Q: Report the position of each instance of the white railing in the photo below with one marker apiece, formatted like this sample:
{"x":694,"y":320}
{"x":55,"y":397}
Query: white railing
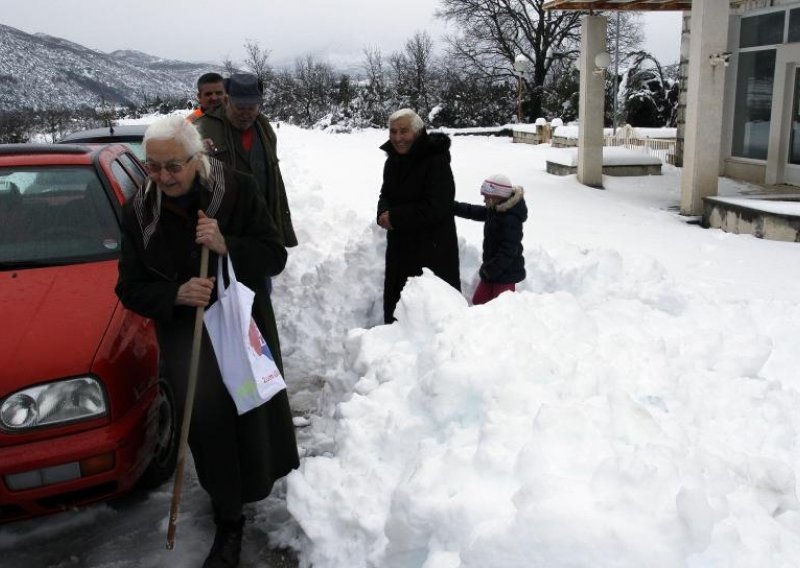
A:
{"x":662,"y":148}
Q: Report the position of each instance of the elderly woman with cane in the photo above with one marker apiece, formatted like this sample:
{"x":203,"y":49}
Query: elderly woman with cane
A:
{"x":189,"y":203}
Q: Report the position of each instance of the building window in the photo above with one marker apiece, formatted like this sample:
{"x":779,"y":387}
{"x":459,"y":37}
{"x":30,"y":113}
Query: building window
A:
{"x":756,"y":70}
{"x":766,"y":29}
{"x":794,"y":133}
{"x":794,"y":25}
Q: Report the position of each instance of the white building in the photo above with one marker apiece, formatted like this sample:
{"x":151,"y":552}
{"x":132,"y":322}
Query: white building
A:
{"x":742,"y":103}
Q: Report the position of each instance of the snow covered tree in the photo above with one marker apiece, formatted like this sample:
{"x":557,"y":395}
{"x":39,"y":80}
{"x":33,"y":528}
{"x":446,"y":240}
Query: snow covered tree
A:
{"x":344,"y":91}
{"x":470,"y":99}
{"x":280,"y":96}
{"x":314,"y":82}
{"x":561,"y":91}
{"x":650,"y":92}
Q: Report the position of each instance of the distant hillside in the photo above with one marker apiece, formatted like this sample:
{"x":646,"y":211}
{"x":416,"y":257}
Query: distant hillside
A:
{"x":40,"y":71}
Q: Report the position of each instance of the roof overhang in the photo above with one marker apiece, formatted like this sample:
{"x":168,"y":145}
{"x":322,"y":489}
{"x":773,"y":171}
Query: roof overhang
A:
{"x":598,"y":5}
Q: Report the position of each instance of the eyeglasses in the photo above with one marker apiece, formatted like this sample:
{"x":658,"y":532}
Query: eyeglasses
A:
{"x":172,"y":167}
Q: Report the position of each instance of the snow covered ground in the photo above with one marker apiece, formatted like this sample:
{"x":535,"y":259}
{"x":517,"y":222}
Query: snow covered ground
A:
{"x":633,"y":404}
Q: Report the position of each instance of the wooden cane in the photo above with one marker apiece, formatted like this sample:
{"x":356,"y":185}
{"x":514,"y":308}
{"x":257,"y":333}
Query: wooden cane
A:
{"x":194,"y":363}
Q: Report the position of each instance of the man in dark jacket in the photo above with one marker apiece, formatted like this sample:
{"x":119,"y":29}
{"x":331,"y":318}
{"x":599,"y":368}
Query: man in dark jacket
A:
{"x":416,"y":207}
{"x":191,"y":201}
{"x":239,"y":135}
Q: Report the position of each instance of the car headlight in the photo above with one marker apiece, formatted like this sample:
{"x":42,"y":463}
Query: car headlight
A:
{"x":54,"y":403}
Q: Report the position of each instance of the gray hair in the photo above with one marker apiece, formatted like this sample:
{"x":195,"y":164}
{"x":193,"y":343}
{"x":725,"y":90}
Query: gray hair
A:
{"x":176,"y":127}
{"x":416,"y":121}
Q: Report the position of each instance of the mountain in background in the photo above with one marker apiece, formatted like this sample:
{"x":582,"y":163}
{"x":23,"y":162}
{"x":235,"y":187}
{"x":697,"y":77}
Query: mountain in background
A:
{"x":43,"y":72}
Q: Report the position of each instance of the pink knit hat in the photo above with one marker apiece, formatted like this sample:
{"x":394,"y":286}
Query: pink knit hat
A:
{"x":497,"y":185}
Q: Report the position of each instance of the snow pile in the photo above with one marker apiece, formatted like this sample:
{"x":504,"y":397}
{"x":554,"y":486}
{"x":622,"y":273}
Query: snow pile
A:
{"x":627,"y":406}
{"x":557,"y":429}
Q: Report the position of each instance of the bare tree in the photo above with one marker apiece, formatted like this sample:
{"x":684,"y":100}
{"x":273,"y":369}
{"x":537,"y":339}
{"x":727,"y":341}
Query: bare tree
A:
{"x":373,"y":67}
{"x":419,"y":51}
{"x":413,"y":71}
{"x":631,"y":35}
{"x":257,"y":60}
{"x":229,"y":65}
{"x":16,"y":125}
{"x":398,"y":69}
{"x":494,"y":32}
{"x":623,"y":39}
{"x":56,"y":122}
{"x":376,"y":91}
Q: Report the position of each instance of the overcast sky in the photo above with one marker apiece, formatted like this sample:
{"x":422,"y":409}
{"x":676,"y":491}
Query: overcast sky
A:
{"x":192,"y":30}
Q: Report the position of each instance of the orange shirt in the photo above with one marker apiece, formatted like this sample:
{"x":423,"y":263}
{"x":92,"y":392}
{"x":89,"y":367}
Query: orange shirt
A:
{"x":195,"y":114}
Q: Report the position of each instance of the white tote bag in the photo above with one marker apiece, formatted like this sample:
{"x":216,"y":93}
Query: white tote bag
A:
{"x":248,"y":369}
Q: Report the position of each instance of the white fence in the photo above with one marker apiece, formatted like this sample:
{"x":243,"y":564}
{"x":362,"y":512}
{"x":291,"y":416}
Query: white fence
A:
{"x":663,"y":148}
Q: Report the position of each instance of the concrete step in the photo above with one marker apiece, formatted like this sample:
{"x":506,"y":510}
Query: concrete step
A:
{"x":771,"y":215}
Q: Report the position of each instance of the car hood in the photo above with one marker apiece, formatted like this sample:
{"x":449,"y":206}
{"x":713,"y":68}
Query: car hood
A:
{"x":53,"y":320}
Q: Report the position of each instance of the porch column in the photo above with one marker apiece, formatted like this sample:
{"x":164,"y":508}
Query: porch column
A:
{"x":591,"y":103}
{"x":706,"y":82}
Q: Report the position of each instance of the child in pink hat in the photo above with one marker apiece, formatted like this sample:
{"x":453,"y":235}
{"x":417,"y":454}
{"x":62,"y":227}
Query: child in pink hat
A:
{"x":503,"y":213}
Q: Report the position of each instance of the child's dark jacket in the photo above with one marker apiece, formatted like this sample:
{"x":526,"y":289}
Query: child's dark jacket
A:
{"x":503,"y":262}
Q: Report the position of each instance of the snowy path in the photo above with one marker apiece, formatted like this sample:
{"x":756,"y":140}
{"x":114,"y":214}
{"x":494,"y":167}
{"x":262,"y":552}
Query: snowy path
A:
{"x":637,"y":391}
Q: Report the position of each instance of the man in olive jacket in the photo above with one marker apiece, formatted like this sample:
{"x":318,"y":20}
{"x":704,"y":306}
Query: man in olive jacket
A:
{"x":240,"y":136}
{"x":191,"y":201}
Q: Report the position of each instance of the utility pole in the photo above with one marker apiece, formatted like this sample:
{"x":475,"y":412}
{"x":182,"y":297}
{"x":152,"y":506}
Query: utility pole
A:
{"x":616,"y":76}
{"x":521,"y":63}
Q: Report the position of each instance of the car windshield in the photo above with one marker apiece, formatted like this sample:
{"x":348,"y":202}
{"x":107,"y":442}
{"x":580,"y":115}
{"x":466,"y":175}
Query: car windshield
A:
{"x":136,"y":148}
{"x":55,"y":215}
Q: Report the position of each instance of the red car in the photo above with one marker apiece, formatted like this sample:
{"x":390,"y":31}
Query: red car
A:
{"x":85,"y":414}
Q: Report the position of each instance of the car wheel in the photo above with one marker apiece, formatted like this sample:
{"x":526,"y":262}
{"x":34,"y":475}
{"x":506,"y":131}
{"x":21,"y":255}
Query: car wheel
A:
{"x":165,"y":453}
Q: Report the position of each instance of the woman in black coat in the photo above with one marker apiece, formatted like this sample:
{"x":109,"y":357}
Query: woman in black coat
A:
{"x":416,"y":207}
{"x":192,"y":201}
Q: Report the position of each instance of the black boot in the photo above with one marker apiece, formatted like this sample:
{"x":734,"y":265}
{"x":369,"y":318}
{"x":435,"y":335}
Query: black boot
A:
{"x":227,"y":545}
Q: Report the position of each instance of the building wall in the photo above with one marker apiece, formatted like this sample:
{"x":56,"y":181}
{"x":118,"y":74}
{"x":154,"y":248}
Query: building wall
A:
{"x":746,"y":171}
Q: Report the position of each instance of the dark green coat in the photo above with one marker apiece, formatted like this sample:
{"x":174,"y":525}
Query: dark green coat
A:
{"x":237,"y":457}
{"x":215,"y":125}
